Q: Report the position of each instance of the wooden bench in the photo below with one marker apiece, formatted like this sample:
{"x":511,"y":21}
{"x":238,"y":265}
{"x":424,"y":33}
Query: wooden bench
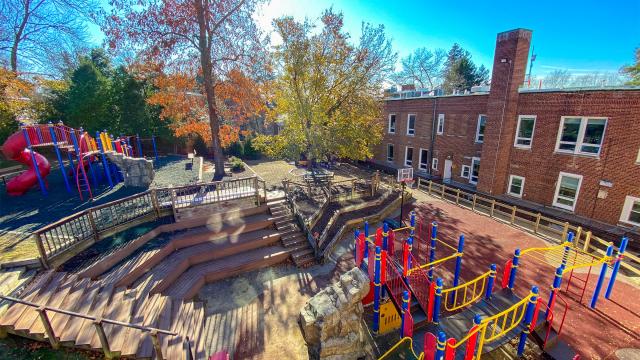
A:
{"x":321,"y":177}
{"x":10,"y":172}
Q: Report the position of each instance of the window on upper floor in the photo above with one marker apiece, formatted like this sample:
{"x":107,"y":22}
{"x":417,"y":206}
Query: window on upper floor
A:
{"x":466,"y":171}
{"x":440,"y":129}
{"x":390,"y":152}
{"x":411,"y":124}
{"x":516,"y":185}
{"x":424,"y":159}
{"x":524,"y":131}
{"x":581,"y":135}
{"x":408,"y":156}
{"x":638,"y":158}
{"x":482,"y":121}
{"x":392,"y":123}
{"x":567,"y":190}
{"x":631,"y":211}
{"x":434,"y":164}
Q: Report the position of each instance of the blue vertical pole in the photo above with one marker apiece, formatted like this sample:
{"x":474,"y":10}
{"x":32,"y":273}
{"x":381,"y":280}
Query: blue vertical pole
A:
{"x":456,"y":271}
{"x":356,"y":233}
{"x":441,"y":346}
{"x":616,"y":267}
{"x":139,"y":145}
{"x":405,"y":309}
{"x":376,"y":292}
{"x":567,"y":248}
{"x":557,"y":280}
{"x":432,"y":250}
{"x":43,"y":188}
{"x":105,"y":163}
{"x":528,"y":317}
{"x":155,"y":150}
{"x":603,"y":274}
{"x":59,"y":156}
{"x":366,"y":237}
{"x":514,"y":269}
{"x":412,"y":222}
{"x":490,"y":281}
{"x":385,"y":236}
{"x":437,"y":301}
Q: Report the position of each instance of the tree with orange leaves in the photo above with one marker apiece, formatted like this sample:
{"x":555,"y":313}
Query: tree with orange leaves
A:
{"x":209,"y":47}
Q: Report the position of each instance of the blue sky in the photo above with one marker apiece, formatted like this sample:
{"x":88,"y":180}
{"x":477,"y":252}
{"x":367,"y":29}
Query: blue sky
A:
{"x":580,"y":36}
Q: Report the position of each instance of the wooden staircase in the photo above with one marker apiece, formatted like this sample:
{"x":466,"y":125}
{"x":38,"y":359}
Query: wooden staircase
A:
{"x":59,"y":290}
{"x":294,"y":239}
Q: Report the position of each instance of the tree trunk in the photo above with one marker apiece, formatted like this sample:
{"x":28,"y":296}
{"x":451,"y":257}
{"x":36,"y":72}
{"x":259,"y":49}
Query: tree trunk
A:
{"x":18,"y":37}
{"x":207,"y":72}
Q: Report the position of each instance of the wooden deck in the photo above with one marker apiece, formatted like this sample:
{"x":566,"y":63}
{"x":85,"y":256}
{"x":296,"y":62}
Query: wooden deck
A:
{"x":155,"y":288}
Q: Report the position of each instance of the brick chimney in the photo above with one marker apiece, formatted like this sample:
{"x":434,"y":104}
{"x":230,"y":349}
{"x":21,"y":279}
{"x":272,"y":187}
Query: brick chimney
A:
{"x":509,"y":69}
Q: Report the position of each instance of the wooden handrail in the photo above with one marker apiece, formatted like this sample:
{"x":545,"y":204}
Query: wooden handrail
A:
{"x":88,"y":317}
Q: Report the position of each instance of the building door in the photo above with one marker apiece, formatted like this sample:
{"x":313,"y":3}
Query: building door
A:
{"x":448,"y":164}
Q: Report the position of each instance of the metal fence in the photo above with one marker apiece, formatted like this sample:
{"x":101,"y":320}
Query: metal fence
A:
{"x":533,"y":222}
{"x":104,"y":220}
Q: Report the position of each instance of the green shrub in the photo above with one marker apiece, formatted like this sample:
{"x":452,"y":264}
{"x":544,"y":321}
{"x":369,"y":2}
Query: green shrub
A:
{"x":236,"y":164}
{"x":250,"y":152}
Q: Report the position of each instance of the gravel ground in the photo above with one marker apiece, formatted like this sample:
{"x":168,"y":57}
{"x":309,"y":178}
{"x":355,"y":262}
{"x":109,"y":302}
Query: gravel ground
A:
{"x":273,"y":172}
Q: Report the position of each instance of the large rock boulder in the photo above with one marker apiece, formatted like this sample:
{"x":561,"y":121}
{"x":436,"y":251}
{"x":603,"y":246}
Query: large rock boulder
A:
{"x":332,"y":323}
{"x":137,"y":172}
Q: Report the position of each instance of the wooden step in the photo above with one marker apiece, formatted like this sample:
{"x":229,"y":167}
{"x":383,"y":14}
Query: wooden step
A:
{"x":175,"y":347}
{"x":117,"y":334}
{"x":55,"y":301}
{"x":110,"y":312}
{"x":190,"y":282}
{"x":87,"y":328}
{"x":71,"y":303}
{"x":163,"y":321}
{"x":147,"y":316}
{"x":30,"y":315}
{"x":31,"y":290}
{"x":74,"y":325}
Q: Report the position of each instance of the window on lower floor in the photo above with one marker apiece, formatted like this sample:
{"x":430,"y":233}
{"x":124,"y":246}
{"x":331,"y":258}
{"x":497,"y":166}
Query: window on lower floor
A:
{"x":581,"y":135}
{"x":390,"y":152}
{"x":408,"y":156}
{"x":516,"y":185}
{"x":424,"y":160}
{"x":475,"y":170}
{"x":434,"y":164}
{"x":567,"y":191}
{"x":631,"y":211}
{"x":466,"y":171}
{"x":524,"y":131}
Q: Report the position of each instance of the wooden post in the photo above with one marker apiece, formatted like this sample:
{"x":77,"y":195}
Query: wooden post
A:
{"x":156,"y":344}
{"x":353,"y":188}
{"x":104,"y":342}
{"x":457,"y":196}
{"x":187,"y":349}
{"x":43,"y":254}
{"x":154,"y":202}
{"x":255,"y":185}
{"x":587,"y":240}
{"x":538,"y":217}
{"x":493,"y":206}
{"x":429,"y":190}
{"x":442,"y":191}
{"x":513,"y":214}
{"x":3,"y":332}
{"x":565,"y":231}
{"x":473,"y":206}
{"x":92,"y":222}
{"x":48,"y":330}
{"x":174,"y":205}
{"x":577,"y":238}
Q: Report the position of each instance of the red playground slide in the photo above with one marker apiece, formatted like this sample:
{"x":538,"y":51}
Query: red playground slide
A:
{"x":15,"y":149}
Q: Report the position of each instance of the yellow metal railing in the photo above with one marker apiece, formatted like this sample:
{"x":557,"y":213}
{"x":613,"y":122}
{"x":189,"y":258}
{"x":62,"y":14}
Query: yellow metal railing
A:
{"x":471,"y":291}
{"x":400,"y":348}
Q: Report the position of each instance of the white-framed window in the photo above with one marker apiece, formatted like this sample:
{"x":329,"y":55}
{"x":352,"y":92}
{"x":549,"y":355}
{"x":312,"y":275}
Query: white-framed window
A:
{"x":475,"y":170}
{"x":392,"y":123}
{"x":631,"y":211}
{"x":424,"y":159}
{"x":390,"y":150}
{"x":482,"y":122}
{"x":524,"y":131}
{"x":466,"y":171}
{"x":516,"y":185}
{"x":638,"y":158}
{"x":581,"y":135}
{"x":440,"y":129}
{"x":408,"y":156}
{"x":567,"y":191}
{"x":434,"y":164}
{"x":411,"y":124}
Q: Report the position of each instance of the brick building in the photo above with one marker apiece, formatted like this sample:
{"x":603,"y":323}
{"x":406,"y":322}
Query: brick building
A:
{"x":572,"y":150}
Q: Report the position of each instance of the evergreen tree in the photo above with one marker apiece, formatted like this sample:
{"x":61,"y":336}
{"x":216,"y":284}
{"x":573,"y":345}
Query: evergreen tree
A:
{"x":460,"y":73}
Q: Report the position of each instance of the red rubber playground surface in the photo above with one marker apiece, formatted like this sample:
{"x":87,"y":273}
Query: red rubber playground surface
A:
{"x":593,"y":333}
